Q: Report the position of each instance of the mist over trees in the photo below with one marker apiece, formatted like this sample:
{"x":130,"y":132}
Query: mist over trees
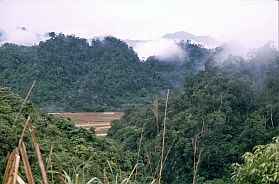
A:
{"x":105,"y":75}
{"x":218,"y":107}
{"x":73,"y":76}
{"x":224,"y":111}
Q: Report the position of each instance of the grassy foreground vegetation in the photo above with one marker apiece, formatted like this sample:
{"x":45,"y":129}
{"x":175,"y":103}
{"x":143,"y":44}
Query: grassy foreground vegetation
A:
{"x":77,"y":151}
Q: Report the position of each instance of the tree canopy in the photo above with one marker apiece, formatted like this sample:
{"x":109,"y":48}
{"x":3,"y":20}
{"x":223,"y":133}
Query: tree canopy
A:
{"x":217,"y":110}
{"x":223,"y":112}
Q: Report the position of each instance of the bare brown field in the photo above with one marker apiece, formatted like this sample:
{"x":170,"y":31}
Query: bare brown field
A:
{"x":100,"y":121}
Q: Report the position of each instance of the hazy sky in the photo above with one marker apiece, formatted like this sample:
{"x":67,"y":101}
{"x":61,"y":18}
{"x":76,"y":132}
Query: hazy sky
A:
{"x":252,"y":22}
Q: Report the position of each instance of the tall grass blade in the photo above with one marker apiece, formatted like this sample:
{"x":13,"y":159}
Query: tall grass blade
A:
{"x":116,"y":181}
{"x":60,"y":175}
{"x":23,"y":131}
{"x":153,"y":181}
{"x":131,"y":173}
{"x":94,"y":180}
{"x":68,"y":178}
{"x":17,"y":159}
{"x":9,"y":166}
{"x":24,"y":102}
{"x":105,"y":177}
{"x":39,"y":157}
{"x":26,"y":164}
{"x":19,"y":180}
{"x":110,"y":168}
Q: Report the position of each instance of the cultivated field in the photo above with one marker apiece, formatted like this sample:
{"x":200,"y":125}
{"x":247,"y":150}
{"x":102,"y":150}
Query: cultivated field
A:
{"x":100,"y":121}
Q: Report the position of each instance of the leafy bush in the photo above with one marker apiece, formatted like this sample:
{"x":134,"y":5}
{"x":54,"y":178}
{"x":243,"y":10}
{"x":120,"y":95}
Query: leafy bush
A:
{"x":261,"y":166}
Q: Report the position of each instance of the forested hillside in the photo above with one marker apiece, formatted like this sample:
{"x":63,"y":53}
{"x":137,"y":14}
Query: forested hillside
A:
{"x":107,"y":75}
{"x":76,"y":151}
{"x":73,"y":76}
{"x":224,"y":111}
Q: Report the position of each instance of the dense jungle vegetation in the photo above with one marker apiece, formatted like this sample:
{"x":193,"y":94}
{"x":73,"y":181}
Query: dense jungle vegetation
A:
{"x":224,"y":111}
{"x":71,"y":75}
{"x":77,"y":151}
{"x":216,"y":111}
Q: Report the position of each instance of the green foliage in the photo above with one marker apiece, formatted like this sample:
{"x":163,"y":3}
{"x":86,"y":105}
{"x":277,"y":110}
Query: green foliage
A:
{"x":261,"y":166}
{"x":222,"y":111}
{"x":222,"y":107}
{"x":71,"y":146}
{"x":107,"y":75}
{"x":71,"y":75}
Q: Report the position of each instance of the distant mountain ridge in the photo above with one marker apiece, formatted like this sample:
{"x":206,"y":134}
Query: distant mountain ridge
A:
{"x":167,"y":46}
{"x":182,"y":35}
{"x":207,"y":41}
{"x":24,"y":36}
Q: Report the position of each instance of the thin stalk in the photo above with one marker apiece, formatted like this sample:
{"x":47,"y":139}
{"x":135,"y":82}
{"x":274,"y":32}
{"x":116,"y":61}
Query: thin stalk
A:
{"x":17,"y":159}
{"x":9,"y":167}
{"x":26,"y":164}
{"x":163,"y":141}
{"x":19,"y":111}
{"x":138,"y":154}
{"x":23,"y":131}
{"x":24,"y":102}
{"x":194,"y":143}
{"x":49,"y":164}
{"x":167,"y":154}
{"x":131,"y":173}
{"x":39,"y":157}
{"x":155,"y":110}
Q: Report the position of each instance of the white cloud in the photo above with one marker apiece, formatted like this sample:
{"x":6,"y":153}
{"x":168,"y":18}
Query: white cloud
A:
{"x":163,"y":49}
{"x":22,"y":37}
{"x":250,"y":22}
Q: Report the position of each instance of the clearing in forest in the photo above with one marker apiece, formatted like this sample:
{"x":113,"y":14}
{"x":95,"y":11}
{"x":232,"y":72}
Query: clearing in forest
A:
{"x":100,"y":121}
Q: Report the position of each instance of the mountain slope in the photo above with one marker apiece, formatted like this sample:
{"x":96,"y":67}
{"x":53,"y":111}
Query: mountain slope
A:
{"x":74,"y":76}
